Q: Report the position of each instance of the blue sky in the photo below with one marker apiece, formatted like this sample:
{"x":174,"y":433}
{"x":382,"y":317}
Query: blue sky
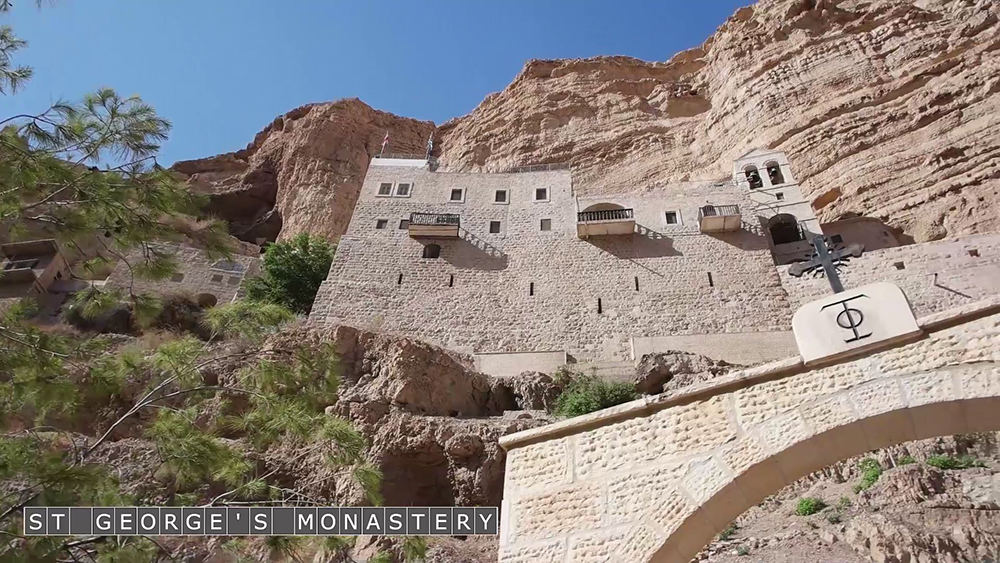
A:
{"x":221,"y":70}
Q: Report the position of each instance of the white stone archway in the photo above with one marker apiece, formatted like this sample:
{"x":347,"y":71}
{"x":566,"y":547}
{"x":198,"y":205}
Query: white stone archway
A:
{"x":655,"y":480}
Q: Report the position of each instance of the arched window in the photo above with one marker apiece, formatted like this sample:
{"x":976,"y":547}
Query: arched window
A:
{"x":784,"y":228}
{"x":774,"y":173}
{"x":432,"y":251}
{"x":753,"y":176}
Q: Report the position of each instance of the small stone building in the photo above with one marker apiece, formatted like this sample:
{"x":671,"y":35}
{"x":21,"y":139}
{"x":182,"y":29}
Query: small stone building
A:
{"x":209,"y":280}
{"x":31,"y":268}
{"x":524,"y":273}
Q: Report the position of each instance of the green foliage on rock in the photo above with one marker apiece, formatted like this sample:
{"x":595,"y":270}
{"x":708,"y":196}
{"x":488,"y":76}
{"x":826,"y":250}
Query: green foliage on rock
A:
{"x":871,"y":470}
{"x":905,"y":460}
{"x":584,"y":394}
{"x":293,"y":272}
{"x":809,"y":505}
{"x":947,"y":462}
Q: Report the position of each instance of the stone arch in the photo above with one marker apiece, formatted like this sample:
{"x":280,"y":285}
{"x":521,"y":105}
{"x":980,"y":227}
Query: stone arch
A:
{"x":793,"y":444}
{"x":784,"y":228}
{"x":774,"y":173}
{"x":753,"y":176}
{"x":655,"y":480}
{"x":206,"y":300}
{"x":603,"y":207}
{"x":432,"y":251}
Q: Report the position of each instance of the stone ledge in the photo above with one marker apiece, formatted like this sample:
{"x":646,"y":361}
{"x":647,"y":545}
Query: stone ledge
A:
{"x":740,"y":379}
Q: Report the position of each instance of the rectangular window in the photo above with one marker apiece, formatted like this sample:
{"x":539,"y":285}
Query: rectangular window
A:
{"x":546,"y":224}
{"x":672,"y":218}
{"x":780,"y":196}
{"x":385,"y":189}
{"x":404,"y":223}
{"x":457,"y":195}
{"x":217,"y":278}
{"x":233,"y":280}
{"x":381,"y":223}
{"x":494,"y":227}
{"x":541,"y":194}
{"x":500,"y":196}
{"x":403,"y":190}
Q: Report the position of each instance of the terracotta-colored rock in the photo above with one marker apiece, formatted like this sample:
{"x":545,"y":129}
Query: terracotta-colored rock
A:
{"x":891,"y":103}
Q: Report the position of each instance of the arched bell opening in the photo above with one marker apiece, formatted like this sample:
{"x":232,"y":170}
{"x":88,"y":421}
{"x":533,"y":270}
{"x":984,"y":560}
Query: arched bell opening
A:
{"x":753,"y":177}
{"x":774,"y":173}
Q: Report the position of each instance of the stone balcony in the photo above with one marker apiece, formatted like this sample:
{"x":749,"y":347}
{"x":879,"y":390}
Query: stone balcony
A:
{"x":434,"y":225}
{"x":719,"y":218}
{"x":605,"y":222}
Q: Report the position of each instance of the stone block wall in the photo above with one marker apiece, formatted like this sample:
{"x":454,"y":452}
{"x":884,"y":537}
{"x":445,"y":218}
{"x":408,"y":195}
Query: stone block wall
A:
{"x":745,"y":348}
{"x":524,"y":289}
{"x":655,"y":480}
{"x":967,"y":270}
{"x":195,"y":275}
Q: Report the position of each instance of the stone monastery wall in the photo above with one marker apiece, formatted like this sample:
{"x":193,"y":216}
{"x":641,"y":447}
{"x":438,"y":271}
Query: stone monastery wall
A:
{"x":535,"y":286}
{"x":935,"y":276}
{"x":525,"y":289}
{"x":197,"y":275}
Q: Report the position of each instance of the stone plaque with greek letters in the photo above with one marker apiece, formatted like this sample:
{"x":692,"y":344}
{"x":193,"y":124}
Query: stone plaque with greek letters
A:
{"x":853,"y":321}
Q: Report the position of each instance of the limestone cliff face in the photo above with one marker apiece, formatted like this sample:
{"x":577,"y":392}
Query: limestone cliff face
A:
{"x":303,"y":172}
{"x":887,"y":108}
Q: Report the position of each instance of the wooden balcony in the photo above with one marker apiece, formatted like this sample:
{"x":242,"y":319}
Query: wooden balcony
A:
{"x":434,"y":225}
{"x":719,"y":218}
{"x":607,"y":222}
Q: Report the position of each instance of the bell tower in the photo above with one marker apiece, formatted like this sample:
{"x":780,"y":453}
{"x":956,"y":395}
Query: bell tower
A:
{"x":786,"y":218}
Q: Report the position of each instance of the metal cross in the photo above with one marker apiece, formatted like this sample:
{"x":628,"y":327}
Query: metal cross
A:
{"x":826,"y":260}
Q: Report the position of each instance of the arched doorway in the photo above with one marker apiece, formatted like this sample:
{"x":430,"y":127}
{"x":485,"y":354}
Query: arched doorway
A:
{"x":206,"y":300}
{"x":784,"y":228}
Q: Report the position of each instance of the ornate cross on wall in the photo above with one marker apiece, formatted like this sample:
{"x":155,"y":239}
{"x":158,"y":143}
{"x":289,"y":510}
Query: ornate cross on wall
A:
{"x":826,"y":260}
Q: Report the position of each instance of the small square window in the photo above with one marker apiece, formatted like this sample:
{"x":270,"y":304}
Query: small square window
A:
{"x":671,"y":217}
{"x":457,"y":194}
{"x":403,"y":190}
{"x":541,"y":194}
{"x":500,"y":196}
{"x":177,"y":278}
{"x":974,"y":252}
{"x":837,"y":239}
{"x":404,"y":223}
{"x":780,"y":196}
{"x":234,"y":280}
{"x":899,"y":265}
{"x":217,"y":278}
{"x":385,"y":188}
{"x":494,"y":227}
{"x":546,"y":224}
{"x":381,"y":223}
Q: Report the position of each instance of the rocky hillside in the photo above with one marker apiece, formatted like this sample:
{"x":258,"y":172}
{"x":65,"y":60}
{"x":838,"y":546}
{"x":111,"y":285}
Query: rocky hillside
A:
{"x":888,"y":108}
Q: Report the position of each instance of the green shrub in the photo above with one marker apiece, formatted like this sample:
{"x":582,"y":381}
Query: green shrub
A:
{"x":588,"y":393}
{"x":871,"y":470}
{"x":905,"y":460}
{"x":843,"y":503}
{"x":809,"y":505}
{"x":742,"y":550}
{"x":729,"y":531}
{"x":833,"y":518}
{"x":949,"y":462}
{"x":292,"y":273}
